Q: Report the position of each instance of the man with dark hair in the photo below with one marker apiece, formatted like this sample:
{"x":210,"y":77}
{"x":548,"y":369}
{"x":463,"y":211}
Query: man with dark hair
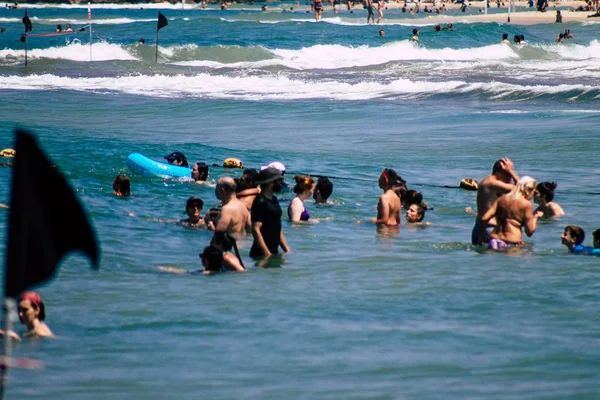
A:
{"x":212,"y":259}
{"x":323,"y":190}
{"x":501,"y":181}
{"x":234,"y":216}
{"x":177,"y":158}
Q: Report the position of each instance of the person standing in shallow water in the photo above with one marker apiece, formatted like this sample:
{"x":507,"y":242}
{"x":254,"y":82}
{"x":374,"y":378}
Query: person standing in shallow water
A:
{"x":388,"y":207}
{"x":499,"y":182}
{"x":266,"y":216}
{"x":32,"y":313}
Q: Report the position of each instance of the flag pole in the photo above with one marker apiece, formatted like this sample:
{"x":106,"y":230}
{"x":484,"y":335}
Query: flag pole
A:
{"x":156,"y":50}
{"x":7,"y":325}
{"x":90,"y":23}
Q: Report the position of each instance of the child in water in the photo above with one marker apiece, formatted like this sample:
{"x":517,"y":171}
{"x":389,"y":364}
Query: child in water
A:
{"x":573,"y":237}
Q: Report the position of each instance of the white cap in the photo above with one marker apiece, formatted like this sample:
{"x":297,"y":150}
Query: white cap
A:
{"x":277,"y":165}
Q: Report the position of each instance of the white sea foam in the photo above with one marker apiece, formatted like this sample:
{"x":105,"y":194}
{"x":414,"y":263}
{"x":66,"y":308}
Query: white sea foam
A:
{"x":101,"y":51}
{"x":280,"y":87}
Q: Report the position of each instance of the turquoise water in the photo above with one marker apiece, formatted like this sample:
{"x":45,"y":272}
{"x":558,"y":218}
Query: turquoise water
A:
{"x":354,"y":312}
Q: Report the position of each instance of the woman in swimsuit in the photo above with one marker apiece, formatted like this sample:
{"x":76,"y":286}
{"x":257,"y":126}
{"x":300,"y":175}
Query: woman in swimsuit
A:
{"x":543,"y":196}
{"x":513,"y":212}
{"x":31,"y":314}
{"x":318,"y":7}
{"x":303,"y":189}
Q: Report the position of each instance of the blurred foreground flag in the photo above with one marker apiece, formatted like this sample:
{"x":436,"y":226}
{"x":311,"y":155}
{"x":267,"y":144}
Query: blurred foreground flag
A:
{"x":46,"y":220}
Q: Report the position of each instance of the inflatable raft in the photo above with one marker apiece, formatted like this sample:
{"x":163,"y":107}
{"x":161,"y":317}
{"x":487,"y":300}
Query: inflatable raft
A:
{"x":142,"y":165}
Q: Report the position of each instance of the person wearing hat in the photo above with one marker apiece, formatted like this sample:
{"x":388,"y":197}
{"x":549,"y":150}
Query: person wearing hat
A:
{"x":193,"y":209}
{"x":266,"y":215}
{"x":177,"y":158}
{"x":275,"y":164}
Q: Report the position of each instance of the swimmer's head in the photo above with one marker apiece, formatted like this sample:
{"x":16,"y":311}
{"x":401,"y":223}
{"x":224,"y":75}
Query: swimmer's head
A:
{"x":225,"y":187}
{"x":193,"y":207}
{"x":122,"y":186}
{"x":517,"y":39}
{"x":323,"y":190}
{"x":212,"y":259}
{"x":596,"y":235}
{"x":30,"y":306}
{"x":499,"y":170}
{"x":200,"y":172}
{"x":415,"y":31}
{"x":573,"y":235}
{"x":525,"y":187}
{"x":388,"y":178}
{"x":177,"y":158}
{"x":303,"y":184}
{"x":505,"y":36}
{"x":437,"y":28}
{"x":247,"y":180}
{"x":545,"y":191}
{"x":416,"y":212}
{"x":381,"y":33}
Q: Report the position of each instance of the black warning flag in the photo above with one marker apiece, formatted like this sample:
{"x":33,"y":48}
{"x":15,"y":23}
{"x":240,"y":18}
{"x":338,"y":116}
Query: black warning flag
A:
{"x":46,"y":220}
{"x":27,"y":23}
{"x":162,"y":21}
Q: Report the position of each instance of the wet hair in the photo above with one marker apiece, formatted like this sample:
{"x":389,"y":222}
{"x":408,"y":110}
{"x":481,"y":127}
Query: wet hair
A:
{"x":411,"y":197}
{"x":522,"y":37}
{"x":437,"y":28}
{"x":325,"y":187}
{"x":497,"y":166}
{"x":576,"y":232}
{"x":517,"y":39}
{"x":59,"y":28}
{"x":504,"y":36}
{"x":421,"y":208}
{"x":194,"y":201}
{"x":546,"y":190}
{"x":202,"y":171}
{"x":212,"y":214}
{"x":415,"y":31}
{"x":213,"y":257}
{"x":247,"y":181}
{"x":122,"y":185}
{"x":303,"y":183}
{"x":525,"y":185}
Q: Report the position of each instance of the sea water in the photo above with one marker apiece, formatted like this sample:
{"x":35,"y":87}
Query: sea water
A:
{"x":353,"y":311}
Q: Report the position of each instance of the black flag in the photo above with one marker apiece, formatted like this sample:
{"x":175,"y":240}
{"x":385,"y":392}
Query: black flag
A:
{"x":27,"y":23}
{"x":46,"y":220}
{"x":162,"y":21}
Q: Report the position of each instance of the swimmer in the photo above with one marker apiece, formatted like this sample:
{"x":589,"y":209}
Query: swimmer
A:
{"x":437,"y":28}
{"x":388,"y":206}
{"x":416,"y":213}
{"x":265,"y":7}
{"x":200,"y":172}
{"x":32,"y":313}
{"x":193,"y":209}
{"x":177,"y":158}
{"x":596,"y":235}
{"x":122,"y":186}
{"x":59,"y":28}
{"x":68,"y":28}
{"x":544,"y":194}
{"x":499,"y":182}
{"x":560,"y":38}
{"x":415,"y":37}
{"x":234,"y":218}
{"x":212,"y":260}
{"x":304,"y":188}
{"x":142,"y":41}
{"x":211,"y":217}
{"x":323,"y":190}
{"x":558,"y":17}
{"x":568,"y":34}
{"x":505,"y":39}
{"x":381,"y":33}
{"x":513,"y":212}
{"x":573,"y":237}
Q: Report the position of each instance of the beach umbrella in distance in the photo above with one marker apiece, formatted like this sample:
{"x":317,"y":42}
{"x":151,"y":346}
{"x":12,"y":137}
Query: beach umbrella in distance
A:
{"x":162,"y":22}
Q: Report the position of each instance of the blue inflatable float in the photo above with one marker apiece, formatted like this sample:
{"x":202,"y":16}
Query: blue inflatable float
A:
{"x":142,"y":165}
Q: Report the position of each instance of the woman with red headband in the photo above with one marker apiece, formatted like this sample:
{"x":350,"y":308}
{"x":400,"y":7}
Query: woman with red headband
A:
{"x":31,"y":314}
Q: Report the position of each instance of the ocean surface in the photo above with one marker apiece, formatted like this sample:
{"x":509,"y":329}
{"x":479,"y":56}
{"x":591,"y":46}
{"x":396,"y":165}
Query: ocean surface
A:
{"x":353,"y":312}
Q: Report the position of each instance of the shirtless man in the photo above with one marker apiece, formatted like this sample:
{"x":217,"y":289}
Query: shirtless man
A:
{"x":513,"y":212}
{"x":234,"y":216}
{"x":490,"y":189}
{"x":388,"y":207}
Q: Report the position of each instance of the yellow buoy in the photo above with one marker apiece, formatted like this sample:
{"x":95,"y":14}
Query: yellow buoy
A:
{"x":233,"y":163}
{"x":469,"y":184}
{"x":8,"y":153}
